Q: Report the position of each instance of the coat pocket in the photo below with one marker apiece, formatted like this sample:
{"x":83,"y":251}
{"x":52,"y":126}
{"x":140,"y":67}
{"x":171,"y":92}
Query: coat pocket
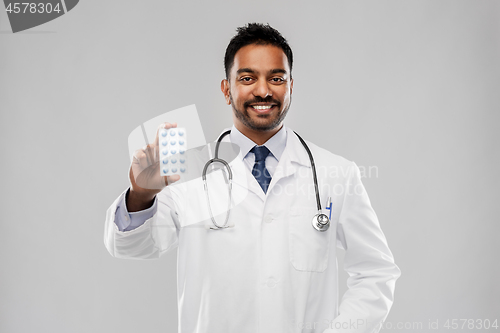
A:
{"x":309,"y":248}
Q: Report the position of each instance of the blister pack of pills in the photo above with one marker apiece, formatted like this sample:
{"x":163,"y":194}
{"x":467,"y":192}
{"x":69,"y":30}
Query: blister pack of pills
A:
{"x":173,"y":146}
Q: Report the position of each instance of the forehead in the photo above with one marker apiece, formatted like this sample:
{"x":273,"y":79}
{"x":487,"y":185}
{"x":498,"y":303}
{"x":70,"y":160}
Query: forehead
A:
{"x":260,"y":58}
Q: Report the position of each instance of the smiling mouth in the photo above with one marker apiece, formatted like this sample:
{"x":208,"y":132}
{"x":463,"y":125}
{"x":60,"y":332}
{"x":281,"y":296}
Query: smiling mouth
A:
{"x":262,"y":108}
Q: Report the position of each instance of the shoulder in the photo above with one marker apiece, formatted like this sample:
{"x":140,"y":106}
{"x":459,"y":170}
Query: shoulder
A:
{"x":322,"y":156}
{"x":327,"y":156}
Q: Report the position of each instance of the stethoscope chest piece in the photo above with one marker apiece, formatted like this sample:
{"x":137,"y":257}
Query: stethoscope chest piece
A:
{"x":321,"y":222}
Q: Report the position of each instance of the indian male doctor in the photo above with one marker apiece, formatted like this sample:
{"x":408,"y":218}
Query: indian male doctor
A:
{"x":271,"y":271}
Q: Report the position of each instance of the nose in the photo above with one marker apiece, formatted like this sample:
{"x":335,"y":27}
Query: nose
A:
{"x":262,"y":89}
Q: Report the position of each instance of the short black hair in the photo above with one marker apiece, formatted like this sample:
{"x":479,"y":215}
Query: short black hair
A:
{"x":255,"y":33}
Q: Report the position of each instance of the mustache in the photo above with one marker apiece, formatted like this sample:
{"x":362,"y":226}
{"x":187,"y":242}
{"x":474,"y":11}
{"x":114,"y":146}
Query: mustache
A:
{"x":257,"y":99}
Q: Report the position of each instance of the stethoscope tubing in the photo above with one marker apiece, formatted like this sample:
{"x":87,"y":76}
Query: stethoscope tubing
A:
{"x":313,"y":167}
{"x":321,"y":224}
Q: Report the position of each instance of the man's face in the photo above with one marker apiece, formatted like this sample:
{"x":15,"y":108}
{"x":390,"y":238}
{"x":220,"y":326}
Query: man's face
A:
{"x":259,"y":88}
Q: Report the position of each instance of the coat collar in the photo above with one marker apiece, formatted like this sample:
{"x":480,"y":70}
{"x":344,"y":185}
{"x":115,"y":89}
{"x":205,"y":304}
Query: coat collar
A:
{"x":294,"y":155}
{"x":295,"y":150}
{"x":276,"y":144}
{"x":293,"y":147}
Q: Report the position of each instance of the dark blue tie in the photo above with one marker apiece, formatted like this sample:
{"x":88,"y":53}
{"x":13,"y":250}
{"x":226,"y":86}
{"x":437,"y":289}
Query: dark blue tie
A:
{"x":259,"y":170}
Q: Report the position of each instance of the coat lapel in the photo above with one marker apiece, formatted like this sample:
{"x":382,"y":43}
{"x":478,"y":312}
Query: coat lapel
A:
{"x":243,"y":177}
{"x":294,"y":155}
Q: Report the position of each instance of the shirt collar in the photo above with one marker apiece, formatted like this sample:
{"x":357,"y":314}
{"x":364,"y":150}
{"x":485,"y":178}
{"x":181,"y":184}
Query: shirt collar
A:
{"x":276,"y":144}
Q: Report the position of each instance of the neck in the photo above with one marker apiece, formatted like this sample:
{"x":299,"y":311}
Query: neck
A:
{"x":259,"y":137}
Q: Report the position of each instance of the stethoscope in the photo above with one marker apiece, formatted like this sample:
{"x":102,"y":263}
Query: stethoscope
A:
{"x":320,"y":221}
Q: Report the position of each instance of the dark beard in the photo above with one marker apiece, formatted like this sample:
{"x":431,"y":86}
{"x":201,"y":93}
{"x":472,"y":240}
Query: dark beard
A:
{"x":244,"y":117}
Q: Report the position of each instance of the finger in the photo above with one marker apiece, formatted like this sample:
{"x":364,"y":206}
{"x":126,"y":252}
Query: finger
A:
{"x":171,"y":179}
{"x":138,"y":156}
{"x":149,"y":152}
{"x":135,"y":171}
{"x":141,"y":158}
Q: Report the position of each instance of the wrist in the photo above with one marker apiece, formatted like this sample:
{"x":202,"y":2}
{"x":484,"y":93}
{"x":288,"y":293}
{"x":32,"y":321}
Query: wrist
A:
{"x":139,"y":200}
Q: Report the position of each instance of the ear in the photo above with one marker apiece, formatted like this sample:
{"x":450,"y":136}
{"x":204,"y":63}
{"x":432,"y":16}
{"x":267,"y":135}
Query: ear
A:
{"x":224,"y":87}
{"x":291,"y":86}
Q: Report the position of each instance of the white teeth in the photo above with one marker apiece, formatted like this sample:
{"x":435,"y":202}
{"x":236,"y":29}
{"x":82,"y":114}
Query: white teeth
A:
{"x":262,"y":107}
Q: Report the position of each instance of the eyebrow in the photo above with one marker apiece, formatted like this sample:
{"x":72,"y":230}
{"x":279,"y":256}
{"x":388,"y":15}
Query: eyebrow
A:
{"x":249,"y":70}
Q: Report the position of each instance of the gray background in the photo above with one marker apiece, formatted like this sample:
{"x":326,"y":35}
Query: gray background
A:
{"x":411,"y":87}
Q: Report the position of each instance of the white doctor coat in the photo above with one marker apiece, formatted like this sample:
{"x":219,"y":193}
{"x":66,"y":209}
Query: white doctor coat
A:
{"x":271,"y":272}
